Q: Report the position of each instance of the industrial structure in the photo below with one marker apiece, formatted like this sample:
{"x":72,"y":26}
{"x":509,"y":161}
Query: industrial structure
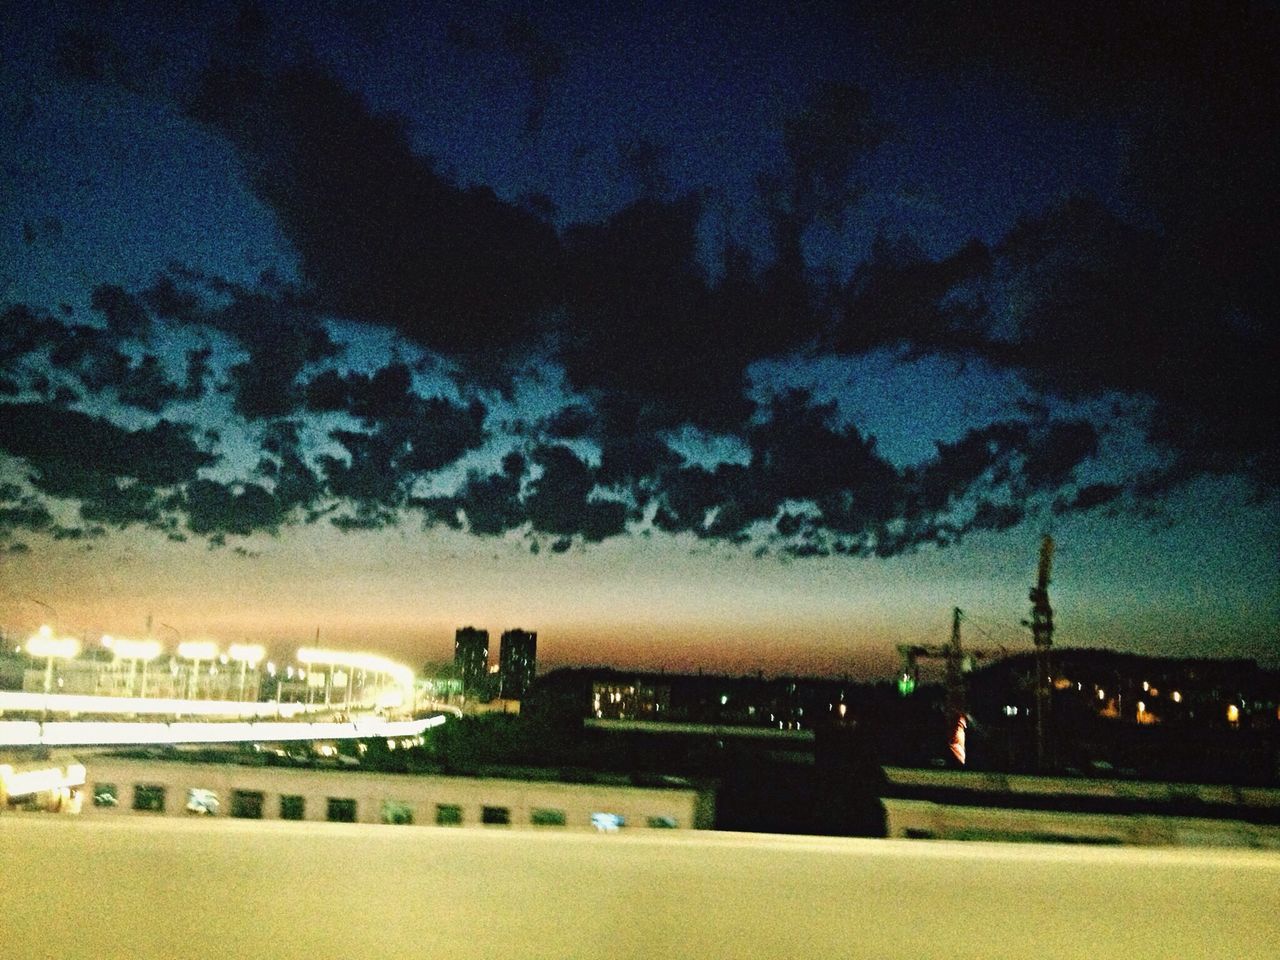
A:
{"x":1041,"y":624}
{"x":959,"y":662}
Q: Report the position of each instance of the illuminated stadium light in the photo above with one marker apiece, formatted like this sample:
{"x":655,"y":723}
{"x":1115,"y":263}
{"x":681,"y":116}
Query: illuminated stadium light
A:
{"x":133,"y":649}
{"x":45,"y":644}
{"x":198,"y":650}
{"x":250,"y":653}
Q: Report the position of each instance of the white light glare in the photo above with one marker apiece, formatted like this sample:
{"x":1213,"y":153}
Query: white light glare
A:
{"x":46,"y":645}
{"x":250,"y":653}
{"x":369,"y":662}
{"x":134,"y":649}
{"x":198,"y":650}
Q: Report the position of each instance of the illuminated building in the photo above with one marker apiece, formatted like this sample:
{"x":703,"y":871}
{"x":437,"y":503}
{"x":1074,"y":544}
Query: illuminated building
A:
{"x":517,"y":663}
{"x":630,"y":701}
{"x":471,"y":658}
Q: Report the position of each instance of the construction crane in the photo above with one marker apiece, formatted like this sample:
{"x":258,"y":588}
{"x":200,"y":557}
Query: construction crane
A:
{"x":1041,"y":624}
{"x":958,"y":662}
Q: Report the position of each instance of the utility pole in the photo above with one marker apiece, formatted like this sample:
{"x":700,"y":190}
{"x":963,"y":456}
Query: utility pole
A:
{"x":1041,"y":624}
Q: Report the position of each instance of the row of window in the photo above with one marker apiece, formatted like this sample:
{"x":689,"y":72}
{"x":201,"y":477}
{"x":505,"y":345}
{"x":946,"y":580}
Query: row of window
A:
{"x":251,"y":805}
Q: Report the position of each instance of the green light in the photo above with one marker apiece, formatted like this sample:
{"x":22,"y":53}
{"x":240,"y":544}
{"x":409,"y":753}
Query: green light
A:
{"x":906,"y":685}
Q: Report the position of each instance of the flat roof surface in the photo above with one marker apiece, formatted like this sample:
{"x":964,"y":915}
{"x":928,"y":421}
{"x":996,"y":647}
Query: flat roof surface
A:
{"x":143,"y":888}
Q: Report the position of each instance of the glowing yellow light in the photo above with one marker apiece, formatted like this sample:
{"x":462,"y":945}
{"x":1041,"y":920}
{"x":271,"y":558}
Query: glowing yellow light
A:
{"x":1177,"y":697}
{"x":198,"y":650}
{"x":46,"y":645}
{"x":1233,"y":713}
{"x":1142,"y":707}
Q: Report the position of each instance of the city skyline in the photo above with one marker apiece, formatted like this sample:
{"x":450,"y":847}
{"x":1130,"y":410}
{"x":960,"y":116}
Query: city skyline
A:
{"x":730,"y":338}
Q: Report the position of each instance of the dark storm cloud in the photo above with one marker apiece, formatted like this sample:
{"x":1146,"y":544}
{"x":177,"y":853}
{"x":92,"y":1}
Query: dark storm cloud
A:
{"x":542,"y":60}
{"x":24,"y":513}
{"x":489,"y":503}
{"x":90,"y":355}
{"x":486,"y":33}
{"x":62,"y":444}
{"x":282,"y":334}
{"x":409,"y":435}
{"x":126,"y":318}
{"x":381,"y":236}
{"x":294,"y":483}
{"x":239,"y":509}
{"x":118,"y":476}
{"x":1183,"y":308}
{"x":823,"y":489}
{"x":560,"y":501}
{"x":1167,"y":297}
{"x":899,"y":295}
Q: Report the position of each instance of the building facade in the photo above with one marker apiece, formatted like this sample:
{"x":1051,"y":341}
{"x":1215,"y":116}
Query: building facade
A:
{"x":471,"y":659}
{"x":517,"y":663}
{"x":117,"y":786}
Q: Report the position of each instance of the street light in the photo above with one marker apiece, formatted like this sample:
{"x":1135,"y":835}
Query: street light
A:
{"x":195,"y":651}
{"x":246,"y":654}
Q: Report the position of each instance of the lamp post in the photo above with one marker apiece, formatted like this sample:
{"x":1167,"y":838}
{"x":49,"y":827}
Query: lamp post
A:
{"x":195,"y":651}
{"x":246,"y":654}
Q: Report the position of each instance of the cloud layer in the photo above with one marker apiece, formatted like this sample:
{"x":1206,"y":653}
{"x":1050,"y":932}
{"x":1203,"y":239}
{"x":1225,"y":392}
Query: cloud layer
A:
{"x":124,"y":418}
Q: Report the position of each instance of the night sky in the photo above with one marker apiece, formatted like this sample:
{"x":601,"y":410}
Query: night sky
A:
{"x":688,"y":335}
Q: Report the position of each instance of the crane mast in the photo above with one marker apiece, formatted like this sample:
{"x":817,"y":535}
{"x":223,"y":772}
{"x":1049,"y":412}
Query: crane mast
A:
{"x":958,"y":662}
{"x":1041,"y":624}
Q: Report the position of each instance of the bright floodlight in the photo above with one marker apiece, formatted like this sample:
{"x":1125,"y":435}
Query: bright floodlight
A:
{"x":198,"y":650}
{"x":250,"y":653}
{"x":135,"y":649}
{"x":46,"y":645}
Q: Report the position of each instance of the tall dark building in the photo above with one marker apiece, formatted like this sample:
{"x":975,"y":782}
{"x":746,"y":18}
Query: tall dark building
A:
{"x":517,"y":663}
{"x":471,"y":658}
